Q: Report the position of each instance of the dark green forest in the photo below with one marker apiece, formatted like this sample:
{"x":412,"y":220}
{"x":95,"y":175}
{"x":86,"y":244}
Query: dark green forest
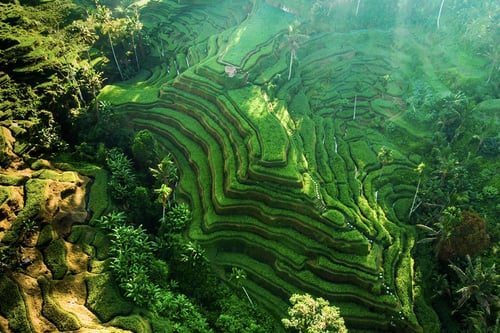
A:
{"x":249,"y":166}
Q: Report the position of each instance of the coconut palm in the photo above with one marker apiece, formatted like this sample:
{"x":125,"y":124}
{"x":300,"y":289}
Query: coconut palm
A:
{"x":134,"y":25}
{"x":166,"y":171}
{"x":239,"y":275}
{"x":86,"y":32}
{"x":194,"y":253}
{"x":293,"y":40}
{"x":439,"y":14}
{"x":93,"y":80}
{"x":385,"y":156}
{"x":163,"y":195}
{"x":441,"y":230}
{"x":110,"y":26}
{"x":493,"y":56}
{"x":111,"y":220}
{"x":357,"y":7}
{"x":420,"y":169}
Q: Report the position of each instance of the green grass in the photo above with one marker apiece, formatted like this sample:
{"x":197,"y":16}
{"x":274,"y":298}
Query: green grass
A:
{"x":272,"y":138}
{"x":138,"y":92}
{"x":250,"y":34}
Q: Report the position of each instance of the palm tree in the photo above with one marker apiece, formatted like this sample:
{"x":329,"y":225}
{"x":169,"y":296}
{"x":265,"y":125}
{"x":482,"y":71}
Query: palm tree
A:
{"x":239,"y":275}
{"x":439,"y":14}
{"x":134,"y":25}
{"x":111,"y":220}
{"x":385,"y":157}
{"x":357,"y":7}
{"x":60,"y":43}
{"x":476,"y":283}
{"x":420,"y":169}
{"x":94,"y":81}
{"x":163,"y":195}
{"x":87,"y":33}
{"x":166,"y":171}
{"x":194,"y":253}
{"x":442,"y":229}
{"x":110,"y":26}
{"x":493,"y":55}
{"x":293,"y":39}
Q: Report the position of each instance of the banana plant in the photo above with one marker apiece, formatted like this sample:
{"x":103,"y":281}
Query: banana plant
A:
{"x":478,"y":284}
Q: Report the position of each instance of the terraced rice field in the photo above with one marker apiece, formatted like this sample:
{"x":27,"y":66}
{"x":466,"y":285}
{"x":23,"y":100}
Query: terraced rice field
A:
{"x":283,"y":176}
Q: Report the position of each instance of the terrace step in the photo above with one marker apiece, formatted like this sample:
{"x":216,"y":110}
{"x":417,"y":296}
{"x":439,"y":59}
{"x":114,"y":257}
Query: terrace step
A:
{"x":282,"y":175}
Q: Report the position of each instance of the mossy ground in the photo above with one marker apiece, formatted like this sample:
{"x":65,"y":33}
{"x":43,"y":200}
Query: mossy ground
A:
{"x":104,"y":297}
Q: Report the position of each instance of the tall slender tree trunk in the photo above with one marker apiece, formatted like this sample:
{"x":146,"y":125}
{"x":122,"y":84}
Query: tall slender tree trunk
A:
{"x":114,"y":56}
{"x":412,"y":208}
{"x":72,"y":79}
{"x":438,"y":21}
{"x":292,"y":54}
{"x":248,"y":296}
{"x":141,"y":44}
{"x":135,"y":52}
{"x":94,"y":93}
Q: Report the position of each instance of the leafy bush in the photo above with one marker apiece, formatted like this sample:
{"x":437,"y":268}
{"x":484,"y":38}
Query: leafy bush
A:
{"x":313,"y":315}
{"x":467,"y":235}
{"x":489,"y":192}
{"x":123,"y":181}
{"x":490,"y":147}
{"x":145,"y":149}
{"x":237,"y":316}
{"x":177,"y":219}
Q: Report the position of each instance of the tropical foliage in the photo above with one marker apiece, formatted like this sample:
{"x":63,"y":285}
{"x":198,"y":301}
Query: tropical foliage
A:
{"x":253,"y":173}
{"x":313,"y":315}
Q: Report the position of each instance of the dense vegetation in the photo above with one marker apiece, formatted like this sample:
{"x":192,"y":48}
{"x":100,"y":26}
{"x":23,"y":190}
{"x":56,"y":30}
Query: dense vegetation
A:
{"x":237,"y":166}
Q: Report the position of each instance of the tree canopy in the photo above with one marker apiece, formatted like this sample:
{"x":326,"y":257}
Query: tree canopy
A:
{"x":313,"y":315}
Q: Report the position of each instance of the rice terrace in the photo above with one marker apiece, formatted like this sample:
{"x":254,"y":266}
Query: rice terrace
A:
{"x":231,"y":154}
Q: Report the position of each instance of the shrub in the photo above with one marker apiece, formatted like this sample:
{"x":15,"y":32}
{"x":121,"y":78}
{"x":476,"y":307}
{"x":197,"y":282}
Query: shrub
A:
{"x":177,"y":219}
{"x":489,"y":192}
{"x":123,"y":181}
{"x":490,"y":147}
{"x":467,"y":237}
{"x":313,"y":315}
